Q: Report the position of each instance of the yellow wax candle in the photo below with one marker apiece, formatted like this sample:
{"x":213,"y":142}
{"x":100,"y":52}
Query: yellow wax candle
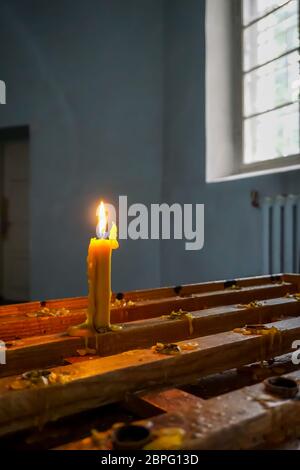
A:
{"x":99,"y":272}
{"x":99,"y":278}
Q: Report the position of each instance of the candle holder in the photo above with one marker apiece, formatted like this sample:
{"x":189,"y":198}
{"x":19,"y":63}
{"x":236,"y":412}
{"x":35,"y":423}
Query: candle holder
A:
{"x":157,"y":369}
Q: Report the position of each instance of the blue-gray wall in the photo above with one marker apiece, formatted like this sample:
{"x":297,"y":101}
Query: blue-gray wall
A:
{"x":113,"y":92}
{"x":87,"y":78}
{"x":233,"y":232}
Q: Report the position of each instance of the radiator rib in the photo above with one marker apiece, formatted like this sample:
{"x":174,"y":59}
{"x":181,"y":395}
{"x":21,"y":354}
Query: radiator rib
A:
{"x":281,"y":232}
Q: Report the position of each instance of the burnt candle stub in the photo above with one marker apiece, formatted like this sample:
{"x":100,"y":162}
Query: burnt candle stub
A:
{"x":177,"y":289}
{"x":229,"y":284}
{"x":276,"y":278}
{"x":131,"y":436}
{"x":282,"y":387}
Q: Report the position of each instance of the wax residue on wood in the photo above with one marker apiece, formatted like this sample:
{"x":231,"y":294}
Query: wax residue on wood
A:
{"x":86,"y":351}
{"x":173,"y":348}
{"x":257,"y":330}
{"x":100,"y":439}
{"x":49,"y":312}
{"x":233,"y":287}
{"x":178,"y":315}
{"x":253,"y":304}
{"x":39,"y":378}
{"x":264,"y":332}
{"x":189,"y":346}
{"x":166,"y":439}
{"x":117,"y":303}
{"x":166,"y":348}
{"x":294,"y":296}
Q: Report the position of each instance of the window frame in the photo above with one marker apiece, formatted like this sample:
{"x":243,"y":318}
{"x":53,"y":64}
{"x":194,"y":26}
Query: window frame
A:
{"x":277,"y":162}
{"x":224,"y":100}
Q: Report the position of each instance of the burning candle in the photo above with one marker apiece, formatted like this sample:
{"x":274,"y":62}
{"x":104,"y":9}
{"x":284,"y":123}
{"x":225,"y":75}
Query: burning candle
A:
{"x":99,"y":277}
{"x":99,"y":272}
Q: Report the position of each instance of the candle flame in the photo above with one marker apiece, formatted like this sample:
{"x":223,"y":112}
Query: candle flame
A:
{"x":113,"y":232}
{"x":101,"y":228}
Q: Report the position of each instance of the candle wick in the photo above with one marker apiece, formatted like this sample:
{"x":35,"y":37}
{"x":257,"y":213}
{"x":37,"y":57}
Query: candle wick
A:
{"x":104,"y":236}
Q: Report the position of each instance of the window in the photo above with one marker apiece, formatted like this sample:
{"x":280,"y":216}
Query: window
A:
{"x":270,"y":70}
{"x":252,"y":87}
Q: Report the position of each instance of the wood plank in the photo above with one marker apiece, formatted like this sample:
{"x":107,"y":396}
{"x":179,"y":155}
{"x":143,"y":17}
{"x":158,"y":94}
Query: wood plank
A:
{"x":109,"y":379}
{"x":78,"y":303}
{"x":46,"y":351}
{"x":19,"y":325}
{"x":292,"y":278}
{"x":163,"y":401}
{"x":171,"y":400}
{"x":234,"y":379}
{"x":290,"y":444}
{"x":244,"y":419}
{"x":76,"y":427}
{"x":205,"y":287}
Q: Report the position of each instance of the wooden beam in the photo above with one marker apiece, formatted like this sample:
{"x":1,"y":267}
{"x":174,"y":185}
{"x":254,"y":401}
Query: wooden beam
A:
{"x":172,"y":400}
{"x":79,"y":303}
{"x":15,"y":323}
{"x":163,"y":401}
{"x":244,"y":419}
{"x":46,"y":351}
{"x":109,"y":379}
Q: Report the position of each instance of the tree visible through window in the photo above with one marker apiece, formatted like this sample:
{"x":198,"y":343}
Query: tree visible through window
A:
{"x":271,"y":80}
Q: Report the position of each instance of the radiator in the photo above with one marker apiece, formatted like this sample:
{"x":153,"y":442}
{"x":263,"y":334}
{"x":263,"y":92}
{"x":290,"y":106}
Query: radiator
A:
{"x":281,"y":234}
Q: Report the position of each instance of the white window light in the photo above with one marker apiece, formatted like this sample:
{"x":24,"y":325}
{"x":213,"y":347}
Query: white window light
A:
{"x":252,"y":87}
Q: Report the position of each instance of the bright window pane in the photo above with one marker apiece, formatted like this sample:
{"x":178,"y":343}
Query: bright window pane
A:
{"x":272,"y":85}
{"x":253,"y":9}
{"x":272,"y":135}
{"x":271,"y":36}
